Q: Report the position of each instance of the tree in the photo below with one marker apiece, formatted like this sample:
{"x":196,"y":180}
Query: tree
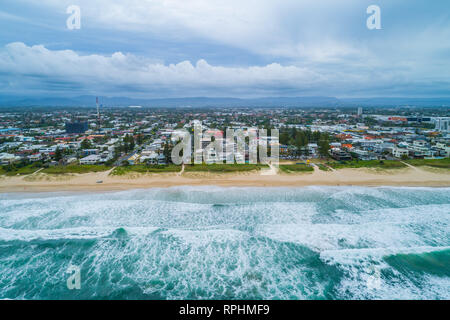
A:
{"x":301,"y":140}
{"x":284,"y":138}
{"x":324,"y":145}
{"x":306,"y":151}
{"x":316,"y":136}
{"x":167,"y":152}
{"x":131,"y":142}
{"x":86,"y":144}
{"x":58,"y":154}
{"x":140,"y":140}
{"x":294,"y":133}
{"x":128,"y":143}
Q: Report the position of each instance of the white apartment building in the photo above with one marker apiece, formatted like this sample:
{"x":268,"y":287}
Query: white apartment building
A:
{"x":48,"y":150}
{"x":95,"y":158}
{"x":35,"y":157}
{"x":442,"y":124}
{"x":6,"y":158}
{"x":400,"y":152}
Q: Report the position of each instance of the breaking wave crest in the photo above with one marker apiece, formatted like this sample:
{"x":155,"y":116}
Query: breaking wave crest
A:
{"x":228,"y":243}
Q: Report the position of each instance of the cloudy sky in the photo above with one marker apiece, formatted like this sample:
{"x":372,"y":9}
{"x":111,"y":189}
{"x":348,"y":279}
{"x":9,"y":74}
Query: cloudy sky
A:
{"x":219,"y":48}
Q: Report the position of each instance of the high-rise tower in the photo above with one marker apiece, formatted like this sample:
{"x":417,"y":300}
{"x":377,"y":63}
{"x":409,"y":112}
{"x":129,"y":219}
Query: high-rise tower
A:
{"x":360,"y":112}
{"x":98,"y":109}
{"x":98,"y":114}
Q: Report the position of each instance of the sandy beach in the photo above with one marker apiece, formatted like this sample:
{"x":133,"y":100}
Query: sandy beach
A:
{"x":410,"y":177}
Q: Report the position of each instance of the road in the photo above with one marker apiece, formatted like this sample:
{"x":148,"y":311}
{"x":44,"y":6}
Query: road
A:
{"x":125,"y":157}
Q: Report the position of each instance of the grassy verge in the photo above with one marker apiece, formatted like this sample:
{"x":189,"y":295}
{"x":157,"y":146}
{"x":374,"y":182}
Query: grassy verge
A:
{"x":75,"y":169}
{"x":377,"y":164}
{"x":323,"y":167}
{"x":296,"y":168}
{"x":18,"y":171}
{"x":435,"y":163}
{"x":224,"y":168}
{"x":119,"y":171}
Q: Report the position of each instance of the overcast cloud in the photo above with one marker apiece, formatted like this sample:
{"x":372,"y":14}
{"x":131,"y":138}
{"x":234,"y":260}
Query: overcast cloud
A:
{"x":247,"y":48}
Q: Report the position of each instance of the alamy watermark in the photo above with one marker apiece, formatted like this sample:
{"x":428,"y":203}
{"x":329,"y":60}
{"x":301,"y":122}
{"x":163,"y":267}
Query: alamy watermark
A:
{"x":73,"y":22}
{"x":374,"y":20}
{"x":239,"y":146}
{"x":373,"y":281}
{"x":74,"y":280}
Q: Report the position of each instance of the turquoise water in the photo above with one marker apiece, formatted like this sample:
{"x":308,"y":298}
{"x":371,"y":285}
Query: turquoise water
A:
{"x":228,"y":243}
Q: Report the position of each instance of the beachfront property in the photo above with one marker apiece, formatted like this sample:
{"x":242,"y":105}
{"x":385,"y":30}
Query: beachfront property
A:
{"x":145,"y":136}
{"x":7,"y":158}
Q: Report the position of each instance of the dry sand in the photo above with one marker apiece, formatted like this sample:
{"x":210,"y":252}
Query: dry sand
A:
{"x":266,"y":178}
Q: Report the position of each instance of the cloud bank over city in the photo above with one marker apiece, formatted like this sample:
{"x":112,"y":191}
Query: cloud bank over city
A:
{"x":168,"y":48}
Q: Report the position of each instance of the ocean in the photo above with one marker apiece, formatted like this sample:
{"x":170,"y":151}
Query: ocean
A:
{"x":227,"y":243}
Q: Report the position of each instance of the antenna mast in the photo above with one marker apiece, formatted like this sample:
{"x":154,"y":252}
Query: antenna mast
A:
{"x":98,"y":112}
{"x":98,"y":109}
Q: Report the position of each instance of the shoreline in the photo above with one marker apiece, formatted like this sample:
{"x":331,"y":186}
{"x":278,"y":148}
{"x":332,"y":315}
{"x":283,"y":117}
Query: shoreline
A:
{"x":42,"y":183}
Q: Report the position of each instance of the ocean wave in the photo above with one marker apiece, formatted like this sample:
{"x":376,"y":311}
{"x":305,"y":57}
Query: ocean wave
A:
{"x":71,"y":233}
{"x":228,"y":243}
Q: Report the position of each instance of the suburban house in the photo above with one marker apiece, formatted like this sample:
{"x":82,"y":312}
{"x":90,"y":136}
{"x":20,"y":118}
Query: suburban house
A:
{"x":400,"y":152}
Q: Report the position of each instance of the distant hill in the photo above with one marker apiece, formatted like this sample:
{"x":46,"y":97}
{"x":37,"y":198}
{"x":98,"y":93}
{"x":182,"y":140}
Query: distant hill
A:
{"x":89,"y":101}
{"x":419,"y":102}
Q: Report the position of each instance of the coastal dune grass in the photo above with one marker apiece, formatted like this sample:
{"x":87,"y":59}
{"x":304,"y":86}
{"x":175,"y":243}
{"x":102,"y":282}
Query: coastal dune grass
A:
{"x":120,"y":171}
{"x":75,"y":169}
{"x":290,"y":168}
{"x":323,"y":167}
{"x":224,"y":168}
{"x":435,"y":163}
{"x":377,"y":164}
{"x":18,"y":171}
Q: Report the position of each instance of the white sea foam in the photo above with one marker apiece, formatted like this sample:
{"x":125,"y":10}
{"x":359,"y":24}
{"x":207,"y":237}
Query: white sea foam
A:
{"x":213,"y":242}
{"x":70,"y":233}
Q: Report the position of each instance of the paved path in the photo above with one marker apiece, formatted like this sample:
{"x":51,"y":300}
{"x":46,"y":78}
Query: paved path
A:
{"x":182,"y":170}
{"x":107,"y":173}
{"x":31,"y":174}
{"x":272,"y":171}
{"x":315,"y":167}
{"x":408,"y":165}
